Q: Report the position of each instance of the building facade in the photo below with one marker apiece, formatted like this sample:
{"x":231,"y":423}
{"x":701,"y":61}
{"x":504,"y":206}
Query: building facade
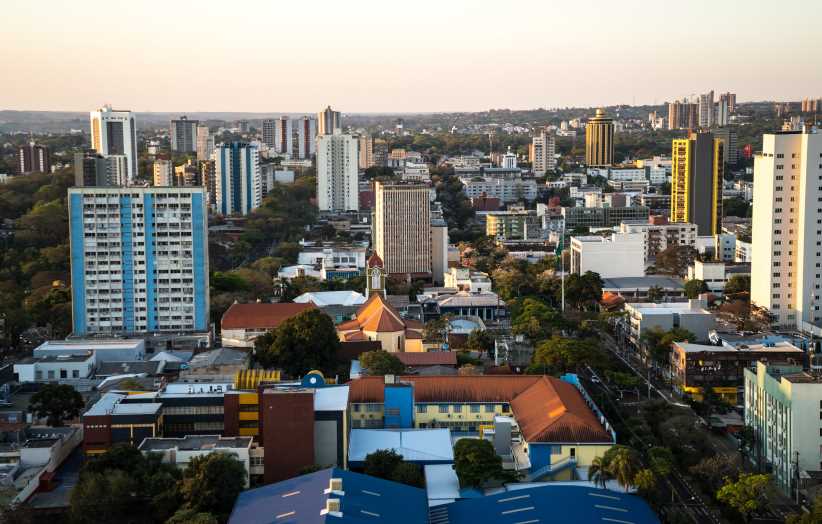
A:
{"x":682,"y":115}
{"x":696,"y":182}
{"x":163,"y":173}
{"x":402,"y":227}
{"x":366,"y":151}
{"x":205,"y":143}
{"x":621,"y":255}
{"x":237,"y":178}
{"x":183,"y":135}
{"x":115,"y":133}
{"x":543,"y":152}
{"x":93,"y":169}
{"x":33,"y":158}
{"x":328,"y":121}
{"x":139,"y":260}
{"x":337,"y":182}
{"x":599,"y":140}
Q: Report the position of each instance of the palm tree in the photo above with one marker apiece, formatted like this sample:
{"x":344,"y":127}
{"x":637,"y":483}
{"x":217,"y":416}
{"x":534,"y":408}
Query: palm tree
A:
{"x":624,"y":466}
{"x":598,"y":471}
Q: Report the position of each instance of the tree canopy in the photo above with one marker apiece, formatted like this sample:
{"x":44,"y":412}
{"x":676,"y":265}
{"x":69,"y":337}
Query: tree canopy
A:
{"x":211,"y":483}
{"x":304,"y":342}
{"x":56,"y":402}
{"x":388,"y":464}
{"x":476,"y":463}
{"x":695,"y":287}
{"x":747,"y":495}
{"x":560,"y":354}
{"x":379,"y":362}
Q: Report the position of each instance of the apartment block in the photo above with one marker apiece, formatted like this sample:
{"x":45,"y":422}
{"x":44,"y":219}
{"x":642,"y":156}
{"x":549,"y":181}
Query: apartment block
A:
{"x":696,"y":182}
{"x":337,"y":181}
{"x":183,"y":135}
{"x":237,"y":178}
{"x":402,"y":227}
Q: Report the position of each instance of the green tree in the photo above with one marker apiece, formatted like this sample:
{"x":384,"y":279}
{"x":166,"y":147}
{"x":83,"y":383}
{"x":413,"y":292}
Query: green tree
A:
{"x":382,"y":463}
{"x":56,"y":402}
{"x":211,"y":484}
{"x":379,"y":362}
{"x":583,"y":292}
{"x":738,"y":285}
{"x":713,"y":471}
{"x":408,"y":474}
{"x":300,"y":344}
{"x":190,"y":516}
{"x":560,"y":354}
{"x":536,"y":320}
{"x":624,"y":466}
{"x":645,"y":481}
{"x":658,"y":343}
{"x":476,"y":463}
{"x":662,"y":461}
{"x":111,"y":497}
{"x":656,"y":294}
{"x":675,"y":259}
{"x":747,"y":495}
{"x":694,"y":288}
{"x":481,"y":341}
{"x":598,"y":471}
{"x":814,"y":517}
{"x":435,"y":330}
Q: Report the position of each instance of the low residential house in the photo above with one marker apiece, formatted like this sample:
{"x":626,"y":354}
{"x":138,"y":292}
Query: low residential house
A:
{"x":55,"y":368}
{"x":378,"y":320}
{"x":243,"y":323}
{"x":465,"y":279}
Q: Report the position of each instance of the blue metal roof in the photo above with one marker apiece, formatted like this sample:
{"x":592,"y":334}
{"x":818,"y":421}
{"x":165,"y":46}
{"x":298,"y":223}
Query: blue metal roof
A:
{"x":549,"y":504}
{"x":300,"y":500}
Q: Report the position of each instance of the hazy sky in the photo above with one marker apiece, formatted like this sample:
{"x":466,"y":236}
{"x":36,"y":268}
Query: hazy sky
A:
{"x":381,"y":56}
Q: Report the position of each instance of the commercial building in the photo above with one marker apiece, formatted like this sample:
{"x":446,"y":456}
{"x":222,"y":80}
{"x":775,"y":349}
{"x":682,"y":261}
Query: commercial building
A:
{"x":696,"y":182}
{"x":54,"y":368}
{"x":695,"y":367}
{"x":163,"y":173}
{"x":33,"y":158}
{"x":575,"y":217}
{"x":114,"y":132}
{"x":205,"y":143}
{"x":337,"y":161}
{"x":786,"y":234}
{"x":513,"y":225}
{"x":637,"y":289}
{"x":782,"y":405}
{"x":464,"y":279}
{"x":543,"y":152}
{"x":402,"y":227}
{"x":366,"y":151}
{"x":183,"y":135}
{"x":139,"y":260}
{"x":237,"y":178}
{"x":92,"y":169}
{"x":508,"y":187}
{"x":683,"y":115}
{"x":417,"y":446}
{"x":208,"y":176}
{"x":730,"y":150}
{"x":706,"y":110}
{"x":599,"y":140}
{"x":293,"y":138}
{"x":692,"y":316}
{"x":113,"y":350}
{"x":660,"y":234}
{"x":111,"y":421}
{"x":328,"y":122}
{"x":180,"y":452}
{"x":241,"y":324}
{"x":716,"y":274}
{"x":187,"y":175}
{"x":620,"y":255}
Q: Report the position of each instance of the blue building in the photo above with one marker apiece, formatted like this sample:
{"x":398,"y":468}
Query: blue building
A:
{"x":238,"y":186}
{"x":139,"y":260}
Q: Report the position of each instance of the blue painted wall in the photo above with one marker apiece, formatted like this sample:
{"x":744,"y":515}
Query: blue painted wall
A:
{"x":199,"y":251}
{"x":126,"y":247}
{"x":401,"y":398}
{"x":149,"y":244}
{"x":539,"y":454}
{"x":78,"y":265}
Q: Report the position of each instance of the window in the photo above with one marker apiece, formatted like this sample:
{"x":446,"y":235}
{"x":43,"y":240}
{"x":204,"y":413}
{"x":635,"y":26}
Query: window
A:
{"x":372,"y":408}
{"x":443,"y":408}
{"x":475,"y":408}
{"x":489,"y":408}
{"x":421,"y":408}
{"x":506,"y":408}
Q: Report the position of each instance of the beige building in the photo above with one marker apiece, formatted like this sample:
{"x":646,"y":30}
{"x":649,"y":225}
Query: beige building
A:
{"x":661,"y":234}
{"x":163,"y":173}
{"x":337,"y":182}
{"x":513,"y":225}
{"x":402,"y":227}
{"x":786,"y":233}
{"x":542,"y":152}
{"x":599,"y":140}
{"x":366,"y":152}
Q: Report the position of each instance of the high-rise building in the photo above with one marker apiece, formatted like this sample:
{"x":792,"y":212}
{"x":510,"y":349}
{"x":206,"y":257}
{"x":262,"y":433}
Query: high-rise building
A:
{"x":509,"y":160}
{"x":722,"y":113}
{"x":599,"y":140}
{"x":183,"y":135}
{"x":366,"y":151}
{"x":706,"y":109}
{"x":139,"y":260}
{"x":328,"y":121}
{"x":402,"y":227}
{"x":305,"y":137}
{"x":731,"y":149}
{"x":208,"y":178}
{"x":696,"y":182}
{"x":683,"y":115}
{"x":237,"y":178}
{"x":205,"y":143}
{"x":730,"y":98}
{"x":268,"y":132}
{"x":114,"y":132}
{"x":163,"y":173}
{"x":381,"y":152}
{"x":811,"y":105}
{"x":187,"y":175}
{"x":283,"y":136}
{"x":90,"y":169}
{"x":33,"y":158}
{"x":786,"y":230}
{"x":542,"y":152}
{"x":337,"y":184}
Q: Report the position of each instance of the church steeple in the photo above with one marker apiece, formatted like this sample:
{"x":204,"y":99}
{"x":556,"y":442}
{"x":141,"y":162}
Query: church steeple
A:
{"x":375,"y":276}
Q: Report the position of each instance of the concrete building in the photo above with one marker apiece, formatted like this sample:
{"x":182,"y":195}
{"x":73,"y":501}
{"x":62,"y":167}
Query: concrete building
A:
{"x":54,"y":368}
{"x":782,"y":406}
{"x":366,"y":151}
{"x":696,"y":182}
{"x":513,"y":225}
{"x":743,"y":251}
{"x":181,"y":451}
{"x":464,"y":279}
{"x":661,"y":234}
{"x":730,"y":151}
{"x":163,"y":173}
{"x":377,"y":320}
{"x":112,"y":350}
{"x":139,"y":260}
{"x":237,"y":178}
{"x":542,"y":152}
{"x":716,"y":274}
{"x":575,"y":217}
{"x":111,"y":421}
{"x":692,"y":316}
{"x":683,"y":115}
{"x":402,"y":227}
{"x":786,"y":233}
{"x":183,"y":135}
{"x":269,"y":125}
{"x":621,"y":255}
{"x":337,"y":161}
{"x":599,"y":140}
{"x":92,"y":169}
{"x":509,"y":160}
{"x":328,"y":122}
{"x":507,"y":188}
{"x":205,"y":143}
{"x":33,"y":158}
{"x":114,"y":132}
{"x":706,"y":110}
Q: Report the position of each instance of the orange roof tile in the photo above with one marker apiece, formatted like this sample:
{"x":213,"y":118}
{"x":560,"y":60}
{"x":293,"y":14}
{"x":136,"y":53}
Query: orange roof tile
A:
{"x":259,"y":315}
{"x":375,"y":315}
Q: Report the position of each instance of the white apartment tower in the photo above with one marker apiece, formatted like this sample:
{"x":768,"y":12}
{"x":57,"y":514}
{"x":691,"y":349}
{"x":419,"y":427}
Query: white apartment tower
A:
{"x":543,"y":150}
{"x":205,"y":143}
{"x":139,"y":260}
{"x":163,"y":173}
{"x":237,"y":178}
{"x":115,"y":133}
{"x":402,"y":227}
{"x":787,"y":228}
{"x":706,"y":110}
{"x":183,"y":135}
{"x":337,"y":184}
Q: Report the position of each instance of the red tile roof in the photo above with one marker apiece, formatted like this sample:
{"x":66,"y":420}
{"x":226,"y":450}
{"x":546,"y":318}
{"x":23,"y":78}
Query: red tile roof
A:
{"x":546,"y":408}
{"x":429,"y":358}
{"x":375,"y":315}
{"x":258,"y":315}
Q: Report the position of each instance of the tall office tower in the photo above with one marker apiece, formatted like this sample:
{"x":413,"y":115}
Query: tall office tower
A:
{"x":209,"y":181}
{"x":706,"y":109}
{"x":305,"y":137}
{"x":731,"y":148}
{"x":696,"y":182}
{"x":542,"y":152}
{"x":786,"y":232}
{"x":90,"y":169}
{"x":721,"y":113}
{"x":139,"y":260}
{"x":268,"y":132}
{"x":366,"y":151}
{"x":380,"y":152}
{"x":599,"y":140}
{"x":115,"y":133}
{"x":183,"y":135}
{"x":243,"y":126}
{"x":337,"y":184}
{"x":205,"y":143}
{"x":328,"y":121}
{"x":730,"y":98}
{"x":163,"y":173}
{"x":402,"y":227}
{"x":283,"y":136}
{"x":33,"y":158}
{"x":237,"y":178}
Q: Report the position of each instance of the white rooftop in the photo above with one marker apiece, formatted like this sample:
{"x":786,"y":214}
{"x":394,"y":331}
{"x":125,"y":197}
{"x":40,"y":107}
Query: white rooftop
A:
{"x":415,"y":445}
{"x":331,"y":298}
{"x":57,"y":345}
{"x":441,"y":484}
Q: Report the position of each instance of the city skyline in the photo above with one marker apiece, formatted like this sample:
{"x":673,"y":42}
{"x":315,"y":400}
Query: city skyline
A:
{"x":429,"y":59}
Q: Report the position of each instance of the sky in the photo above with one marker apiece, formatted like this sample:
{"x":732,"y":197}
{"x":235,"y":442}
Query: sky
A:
{"x":389,"y":56}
